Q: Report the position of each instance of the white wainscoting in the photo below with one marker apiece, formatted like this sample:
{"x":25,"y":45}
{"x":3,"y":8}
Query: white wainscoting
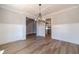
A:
{"x":11,"y":32}
{"x":40,"y":29}
{"x":66,"y":32}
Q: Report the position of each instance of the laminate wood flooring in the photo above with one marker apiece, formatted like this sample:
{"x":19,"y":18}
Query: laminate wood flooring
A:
{"x":40,"y":45}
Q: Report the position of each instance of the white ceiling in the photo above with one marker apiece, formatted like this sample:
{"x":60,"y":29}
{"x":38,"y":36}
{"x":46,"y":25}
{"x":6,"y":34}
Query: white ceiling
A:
{"x":33,"y":9}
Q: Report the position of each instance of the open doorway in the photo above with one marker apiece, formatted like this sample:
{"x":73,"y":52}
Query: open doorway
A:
{"x":48,"y":28}
{"x":30,"y":28}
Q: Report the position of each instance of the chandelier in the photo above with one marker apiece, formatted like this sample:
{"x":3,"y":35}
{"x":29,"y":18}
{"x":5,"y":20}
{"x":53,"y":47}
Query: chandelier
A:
{"x":39,"y":18}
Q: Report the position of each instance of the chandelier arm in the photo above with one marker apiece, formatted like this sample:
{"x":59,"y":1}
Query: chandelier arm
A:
{"x":39,"y":19}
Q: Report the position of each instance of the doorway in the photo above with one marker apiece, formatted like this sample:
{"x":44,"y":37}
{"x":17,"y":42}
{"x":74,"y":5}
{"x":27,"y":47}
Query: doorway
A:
{"x":48,"y":28}
{"x":30,"y":28}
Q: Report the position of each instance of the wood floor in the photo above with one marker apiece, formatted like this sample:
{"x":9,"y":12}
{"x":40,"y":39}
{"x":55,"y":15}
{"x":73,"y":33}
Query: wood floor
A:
{"x":39,"y":45}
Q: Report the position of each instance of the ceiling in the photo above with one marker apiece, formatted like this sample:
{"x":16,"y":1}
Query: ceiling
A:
{"x":32,"y":10}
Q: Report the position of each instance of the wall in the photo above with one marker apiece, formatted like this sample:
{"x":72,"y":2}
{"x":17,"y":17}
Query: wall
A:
{"x":31,"y":26}
{"x":12,"y":26}
{"x":66,"y":32}
{"x":65,"y":26}
{"x":40,"y":29}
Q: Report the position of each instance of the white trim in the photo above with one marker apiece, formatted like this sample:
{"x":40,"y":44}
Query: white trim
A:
{"x":60,"y":11}
{"x":17,"y":11}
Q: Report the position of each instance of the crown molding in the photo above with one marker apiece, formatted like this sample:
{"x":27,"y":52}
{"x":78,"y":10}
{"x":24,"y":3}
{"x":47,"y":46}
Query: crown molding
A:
{"x":17,"y":11}
{"x":59,"y":12}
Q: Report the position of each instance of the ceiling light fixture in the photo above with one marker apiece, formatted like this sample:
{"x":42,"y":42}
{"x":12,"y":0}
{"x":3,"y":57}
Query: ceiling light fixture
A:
{"x":39,"y":18}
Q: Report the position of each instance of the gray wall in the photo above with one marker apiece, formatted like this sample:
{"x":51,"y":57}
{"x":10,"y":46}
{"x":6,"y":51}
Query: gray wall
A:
{"x":12,"y":26}
{"x":31,"y":26}
{"x":65,"y":26}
